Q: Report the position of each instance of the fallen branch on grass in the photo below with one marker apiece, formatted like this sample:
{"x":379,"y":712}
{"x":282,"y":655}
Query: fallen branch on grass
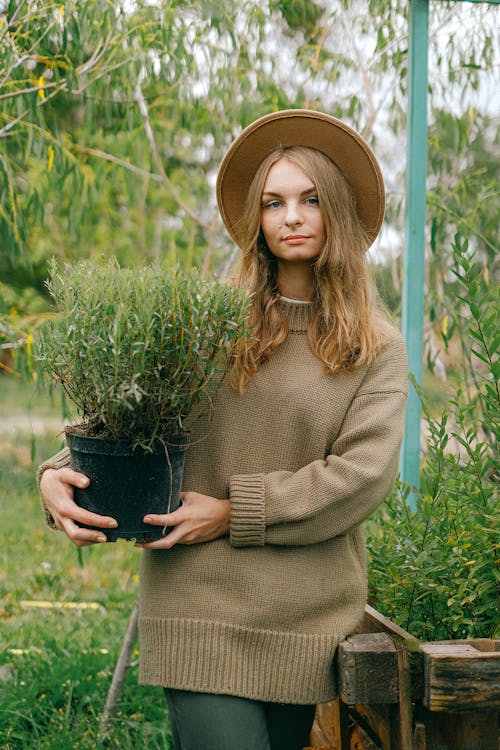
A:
{"x":59,"y":605}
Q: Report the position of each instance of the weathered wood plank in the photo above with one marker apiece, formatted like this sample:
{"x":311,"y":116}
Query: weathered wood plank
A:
{"x":367,"y":667}
{"x":331,"y":726}
{"x":361,"y":741}
{"x":391,"y":723}
{"x":419,"y":739}
{"x":404,"y":718}
{"x":380,"y":720}
{"x":459,"y":678}
{"x":491,"y":645}
{"x":325,"y":725}
{"x":478,"y":731}
{"x":374,"y":622}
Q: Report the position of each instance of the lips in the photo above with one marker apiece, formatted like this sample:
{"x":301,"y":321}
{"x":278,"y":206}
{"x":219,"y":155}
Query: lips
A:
{"x":296,"y":237}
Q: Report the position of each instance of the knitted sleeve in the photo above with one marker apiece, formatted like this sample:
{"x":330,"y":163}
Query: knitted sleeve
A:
{"x":327,"y":498}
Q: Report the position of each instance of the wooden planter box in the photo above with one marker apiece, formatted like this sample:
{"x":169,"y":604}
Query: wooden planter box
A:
{"x":397,"y":693}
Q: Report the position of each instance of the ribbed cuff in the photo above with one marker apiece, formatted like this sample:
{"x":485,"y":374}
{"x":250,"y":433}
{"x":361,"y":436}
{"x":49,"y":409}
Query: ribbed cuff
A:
{"x":59,"y":461}
{"x":248,"y":518}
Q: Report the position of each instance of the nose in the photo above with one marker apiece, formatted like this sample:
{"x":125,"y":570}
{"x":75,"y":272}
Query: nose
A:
{"x":293,"y":215}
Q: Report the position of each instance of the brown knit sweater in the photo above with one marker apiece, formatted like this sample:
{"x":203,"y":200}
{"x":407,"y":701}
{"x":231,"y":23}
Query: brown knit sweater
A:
{"x":304,"y":457}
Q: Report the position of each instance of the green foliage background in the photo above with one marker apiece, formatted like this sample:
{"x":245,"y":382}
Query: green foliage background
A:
{"x":115,"y":115}
{"x":435,"y":570}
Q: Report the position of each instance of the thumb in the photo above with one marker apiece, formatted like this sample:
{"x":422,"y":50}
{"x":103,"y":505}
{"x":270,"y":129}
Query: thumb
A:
{"x":74,"y":477}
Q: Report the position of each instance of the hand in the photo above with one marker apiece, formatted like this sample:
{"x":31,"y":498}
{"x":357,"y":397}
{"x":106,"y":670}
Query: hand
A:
{"x":200,"y":518}
{"x":56,"y":487}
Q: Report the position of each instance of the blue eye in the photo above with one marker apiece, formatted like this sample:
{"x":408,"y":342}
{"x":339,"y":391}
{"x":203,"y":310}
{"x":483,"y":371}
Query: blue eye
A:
{"x":313,"y":201}
{"x":272,"y":204}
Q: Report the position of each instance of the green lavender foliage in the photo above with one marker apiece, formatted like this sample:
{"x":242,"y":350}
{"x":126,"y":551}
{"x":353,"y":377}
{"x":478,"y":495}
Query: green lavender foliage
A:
{"x":435,"y":570}
{"x":136,"y":350}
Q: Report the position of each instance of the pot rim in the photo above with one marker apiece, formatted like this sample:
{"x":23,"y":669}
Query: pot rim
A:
{"x":76,"y":438}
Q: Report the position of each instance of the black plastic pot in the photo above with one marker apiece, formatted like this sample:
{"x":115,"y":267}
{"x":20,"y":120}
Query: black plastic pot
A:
{"x":126,"y":482}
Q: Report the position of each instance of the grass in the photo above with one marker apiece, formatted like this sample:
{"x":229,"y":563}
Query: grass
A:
{"x":21,"y":397}
{"x":56,"y":665}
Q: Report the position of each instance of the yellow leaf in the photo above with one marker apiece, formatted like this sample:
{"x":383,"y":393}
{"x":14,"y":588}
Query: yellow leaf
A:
{"x":51,"y":159}
{"x":29,"y":349}
{"x":444,"y":326}
{"x":486,"y":275}
{"x":41,"y":92}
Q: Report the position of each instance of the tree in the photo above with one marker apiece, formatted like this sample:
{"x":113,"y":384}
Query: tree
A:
{"x":115,"y":115}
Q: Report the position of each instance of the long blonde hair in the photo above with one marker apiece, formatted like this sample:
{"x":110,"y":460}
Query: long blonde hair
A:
{"x":346,"y":330}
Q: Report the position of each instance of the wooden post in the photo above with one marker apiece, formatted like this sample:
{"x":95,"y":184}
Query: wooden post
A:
{"x":374,"y":679}
{"x":119,"y":674}
{"x":404,"y":726}
{"x":414,"y":251}
{"x":368,"y":669}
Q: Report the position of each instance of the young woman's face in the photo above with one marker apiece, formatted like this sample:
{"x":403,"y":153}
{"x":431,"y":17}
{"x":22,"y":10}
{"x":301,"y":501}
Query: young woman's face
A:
{"x":291,"y":218}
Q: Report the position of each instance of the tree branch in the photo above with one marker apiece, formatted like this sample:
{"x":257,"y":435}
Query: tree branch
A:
{"x":121,"y":162}
{"x":143,"y":108}
{"x":4,"y":131}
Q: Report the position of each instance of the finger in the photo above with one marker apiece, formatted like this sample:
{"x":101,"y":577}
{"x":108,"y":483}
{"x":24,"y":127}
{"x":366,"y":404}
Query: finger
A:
{"x":81,"y":536}
{"x":73,"y":477}
{"x":166,"y":542}
{"x":92,"y":519}
{"x":157,"y":520}
{"x":67,"y":508}
{"x":165,"y":519}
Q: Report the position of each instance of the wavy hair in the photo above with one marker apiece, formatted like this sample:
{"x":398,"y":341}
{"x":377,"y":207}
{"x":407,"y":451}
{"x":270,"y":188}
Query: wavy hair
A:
{"x":346,"y":330}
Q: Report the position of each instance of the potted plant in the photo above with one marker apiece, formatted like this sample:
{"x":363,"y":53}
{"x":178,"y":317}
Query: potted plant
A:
{"x":136,"y":351}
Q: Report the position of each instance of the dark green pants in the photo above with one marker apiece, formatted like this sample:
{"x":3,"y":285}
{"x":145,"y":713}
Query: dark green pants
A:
{"x":202,"y":721}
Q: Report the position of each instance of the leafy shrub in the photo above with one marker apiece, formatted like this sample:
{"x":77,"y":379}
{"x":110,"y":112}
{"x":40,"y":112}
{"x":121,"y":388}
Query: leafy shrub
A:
{"x":435,"y":570}
{"x":135,"y":350}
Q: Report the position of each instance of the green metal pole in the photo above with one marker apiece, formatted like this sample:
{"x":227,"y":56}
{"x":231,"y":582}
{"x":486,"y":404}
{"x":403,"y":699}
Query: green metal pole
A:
{"x":414,"y":255}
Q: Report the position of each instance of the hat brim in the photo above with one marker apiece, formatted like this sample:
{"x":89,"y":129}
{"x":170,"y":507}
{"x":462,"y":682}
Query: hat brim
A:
{"x":301,"y":127}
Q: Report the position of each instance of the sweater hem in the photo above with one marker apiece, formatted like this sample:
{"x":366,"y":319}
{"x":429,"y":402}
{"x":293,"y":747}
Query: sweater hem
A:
{"x":271,"y":666}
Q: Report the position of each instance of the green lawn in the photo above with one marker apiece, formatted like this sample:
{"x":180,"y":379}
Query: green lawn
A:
{"x":56,"y":664}
{"x":18,"y":397}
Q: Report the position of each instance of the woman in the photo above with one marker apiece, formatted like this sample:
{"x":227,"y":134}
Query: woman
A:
{"x":263,"y":571}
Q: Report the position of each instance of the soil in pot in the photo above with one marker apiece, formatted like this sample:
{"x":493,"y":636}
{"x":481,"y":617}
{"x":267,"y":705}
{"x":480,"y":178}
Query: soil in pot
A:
{"x":126,"y":482}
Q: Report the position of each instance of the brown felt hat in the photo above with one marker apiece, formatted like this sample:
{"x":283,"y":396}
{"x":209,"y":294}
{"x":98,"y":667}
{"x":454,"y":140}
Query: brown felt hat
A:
{"x":301,"y":127}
